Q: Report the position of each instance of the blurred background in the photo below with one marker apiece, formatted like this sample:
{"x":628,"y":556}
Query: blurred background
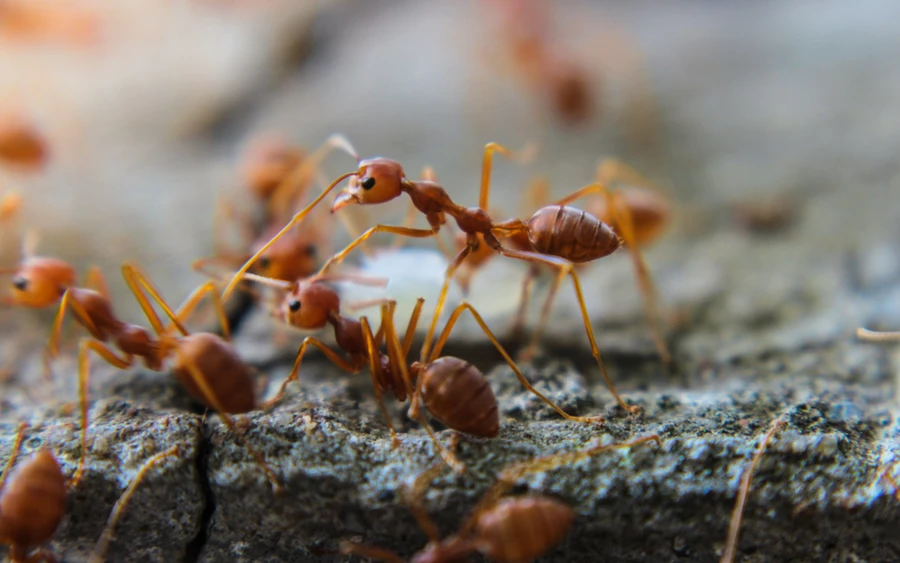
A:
{"x":148,"y":106}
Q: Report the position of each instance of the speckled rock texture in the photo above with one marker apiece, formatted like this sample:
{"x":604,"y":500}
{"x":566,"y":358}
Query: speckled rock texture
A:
{"x":760,"y":324}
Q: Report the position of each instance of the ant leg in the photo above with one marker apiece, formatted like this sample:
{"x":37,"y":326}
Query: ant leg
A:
{"x":875,"y":336}
{"x":370,"y":552}
{"x":735,"y":527}
{"x":522,"y":314}
{"x":87,"y":346}
{"x":53,"y":344}
{"x":17,"y":446}
{"x":10,"y":205}
{"x":566,"y":267}
{"x":190,"y":304}
{"x":622,"y":217}
{"x":136,"y":280}
{"x":211,"y":400}
{"x":442,"y":297}
{"x":414,"y":501}
{"x":99,"y":553}
{"x":295,"y":371}
{"x":408,"y":221}
{"x":592,"y":188}
{"x":489,"y":149}
{"x":295,"y":184}
{"x":375,"y":370}
{"x":339,"y":257}
{"x":611,"y":170}
{"x":411,"y":326}
{"x":522,"y":379}
{"x":296,"y":219}
{"x":97,"y":281}
{"x":398,"y":363}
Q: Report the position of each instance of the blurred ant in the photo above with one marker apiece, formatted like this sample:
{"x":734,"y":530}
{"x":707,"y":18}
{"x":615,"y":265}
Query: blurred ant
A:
{"x":205,"y":364}
{"x":558,"y":235}
{"x":876,"y":336}
{"x":33,"y":503}
{"x":50,"y":21}
{"x":41,"y":281}
{"x":454,"y":391}
{"x":22,"y":146}
{"x":737,"y":515}
{"x":503,"y":529}
{"x":560,"y":78}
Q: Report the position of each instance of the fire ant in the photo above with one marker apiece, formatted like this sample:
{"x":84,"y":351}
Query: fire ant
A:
{"x":41,"y":281}
{"x":454,"y":391}
{"x":205,"y":364}
{"x":33,"y":503}
{"x":21,"y":145}
{"x":737,"y":515}
{"x":503,"y":529}
{"x":558,"y":235}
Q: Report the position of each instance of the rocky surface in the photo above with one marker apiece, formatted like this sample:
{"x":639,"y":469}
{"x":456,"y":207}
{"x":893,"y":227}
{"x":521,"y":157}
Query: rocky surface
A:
{"x":755,"y":101}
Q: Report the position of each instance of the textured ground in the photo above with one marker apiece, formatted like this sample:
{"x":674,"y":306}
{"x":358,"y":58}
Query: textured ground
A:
{"x":755,"y":101}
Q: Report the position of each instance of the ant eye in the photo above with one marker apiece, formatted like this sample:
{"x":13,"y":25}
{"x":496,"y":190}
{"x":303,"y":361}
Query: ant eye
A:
{"x":264,"y":263}
{"x":294,"y":306}
{"x":20,"y":283}
{"x":311,"y":250}
{"x":368,"y":183}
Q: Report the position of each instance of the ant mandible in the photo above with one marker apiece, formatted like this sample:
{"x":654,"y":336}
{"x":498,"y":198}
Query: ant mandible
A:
{"x":560,"y":236}
{"x":503,"y":529}
{"x":205,"y":364}
{"x":33,"y":503}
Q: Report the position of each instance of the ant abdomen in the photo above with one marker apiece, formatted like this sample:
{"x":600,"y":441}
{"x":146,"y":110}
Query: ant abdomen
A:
{"x":224,"y":372}
{"x":457,"y":394}
{"x":522,"y":529}
{"x":570,"y":233}
{"x":33,"y":502}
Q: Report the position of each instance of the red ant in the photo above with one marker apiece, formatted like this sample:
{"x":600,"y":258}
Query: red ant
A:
{"x":204,"y":363}
{"x":558,"y":235}
{"x":33,"y":503}
{"x":41,"y":281}
{"x":454,"y":391}
{"x":503,"y":529}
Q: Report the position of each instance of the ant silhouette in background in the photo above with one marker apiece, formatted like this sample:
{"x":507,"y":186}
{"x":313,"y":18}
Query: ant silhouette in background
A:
{"x":559,"y":236}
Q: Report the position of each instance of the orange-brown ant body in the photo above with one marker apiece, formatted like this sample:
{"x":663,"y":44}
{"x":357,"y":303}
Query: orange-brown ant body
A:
{"x":503,"y":529}
{"x":33,"y":503}
{"x":37,"y":20}
{"x":559,"y":236}
{"x":453,"y":390}
{"x":205,"y":364}
{"x":21,"y":145}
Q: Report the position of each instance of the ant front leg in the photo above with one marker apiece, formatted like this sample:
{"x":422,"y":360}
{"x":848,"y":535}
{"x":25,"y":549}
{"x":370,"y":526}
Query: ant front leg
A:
{"x":295,"y":371}
{"x":448,"y":328}
{"x":489,"y":149}
{"x":109,"y":356}
{"x":138,"y":282}
{"x":567,"y":268}
{"x":375,"y":370}
{"x":66,"y":302}
{"x":190,"y":304}
{"x":442,"y":297}
{"x":404,"y":231}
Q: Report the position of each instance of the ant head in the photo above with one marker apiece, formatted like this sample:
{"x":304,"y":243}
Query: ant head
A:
{"x":267,"y":160}
{"x":377,"y":180}
{"x":310,"y":305}
{"x":290,"y":258}
{"x":41,"y":282}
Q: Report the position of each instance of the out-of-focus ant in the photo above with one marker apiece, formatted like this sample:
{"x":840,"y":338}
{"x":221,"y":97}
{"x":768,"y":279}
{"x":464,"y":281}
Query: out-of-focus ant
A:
{"x":503,"y":529}
{"x":48,"y":21}
{"x":33,"y":503}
